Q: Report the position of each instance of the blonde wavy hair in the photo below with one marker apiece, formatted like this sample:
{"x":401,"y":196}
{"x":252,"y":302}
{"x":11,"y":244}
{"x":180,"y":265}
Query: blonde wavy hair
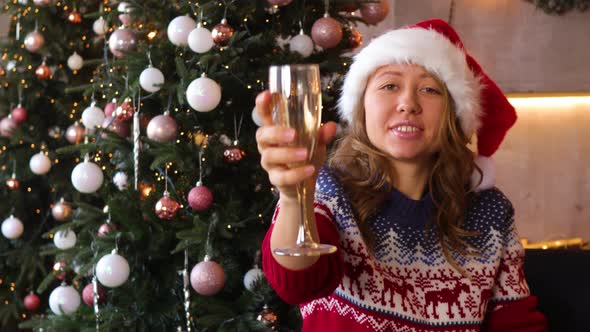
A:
{"x":367,"y":178}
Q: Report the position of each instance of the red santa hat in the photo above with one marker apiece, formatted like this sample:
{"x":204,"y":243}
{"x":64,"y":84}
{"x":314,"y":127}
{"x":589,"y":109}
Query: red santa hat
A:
{"x":479,"y":103}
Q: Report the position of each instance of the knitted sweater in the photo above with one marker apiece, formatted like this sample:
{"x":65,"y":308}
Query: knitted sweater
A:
{"x":408,"y":285}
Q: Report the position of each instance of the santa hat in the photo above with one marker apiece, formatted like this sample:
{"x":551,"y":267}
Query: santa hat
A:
{"x":479,"y":103}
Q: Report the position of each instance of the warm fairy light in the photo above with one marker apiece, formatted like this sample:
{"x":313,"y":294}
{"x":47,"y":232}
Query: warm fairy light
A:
{"x":152,"y":34}
{"x":29,"y":189}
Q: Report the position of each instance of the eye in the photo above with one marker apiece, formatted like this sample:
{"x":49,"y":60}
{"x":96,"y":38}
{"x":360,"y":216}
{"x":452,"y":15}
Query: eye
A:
{"x":431,"y":90}
{"x":389,"y":86}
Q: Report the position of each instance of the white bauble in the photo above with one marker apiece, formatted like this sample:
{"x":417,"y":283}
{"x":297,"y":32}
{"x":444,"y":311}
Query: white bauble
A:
{"x":302,"y":44}
{"x":121,"y":180}
{"x":64,"y":300}
{"x":179,"y":29}
{"x":151,"y":79}
{"x":256,"y":118}
{"x":92,"y":117}
{"x":200,"y":40}
{"x":87,"y":177}
{"x":65,"y":239}
{"x":252,"y":276}
{"x":40,"y":163}
{"x":100,"y":26}
{"x":112,"y":270}
{"x":12,"y":228}
{"x":124,"y":7}
{"x":75,"y":61}
{"x":203,"y":94}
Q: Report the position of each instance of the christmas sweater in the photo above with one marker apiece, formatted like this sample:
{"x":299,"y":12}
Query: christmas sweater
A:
{"x":407,"y":284}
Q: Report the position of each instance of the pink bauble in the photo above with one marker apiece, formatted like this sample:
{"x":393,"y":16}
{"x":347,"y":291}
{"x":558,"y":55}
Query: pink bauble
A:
{"x":374,"y":12}
{"x":7,"y":126}
{"x":326,"y":32}
{"x":166,"y":207}
{"x":207,"y":278}
{"x":19,"y":114}
{"x":75,"y":133}
{"x":118,"y":127}
{"x":234,"y":154}
{"x":162,"y":128}
{"x":105,"y":229}
{"x":200,"y":198}
{"x":62,"y":211}
{"x":110,"y":108}
{"x":279,"y":2}
{"x":88,"y":294}
{"x":32,"y":302}
{"x":59,"y":270}
{"x":122,"y":41}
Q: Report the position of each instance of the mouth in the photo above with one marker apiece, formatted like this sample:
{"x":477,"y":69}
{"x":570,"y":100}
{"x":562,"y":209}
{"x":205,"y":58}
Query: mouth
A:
{"x":407,"y":131}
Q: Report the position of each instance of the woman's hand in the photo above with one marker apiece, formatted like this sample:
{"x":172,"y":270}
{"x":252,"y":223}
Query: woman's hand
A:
{"x":276,"y":151}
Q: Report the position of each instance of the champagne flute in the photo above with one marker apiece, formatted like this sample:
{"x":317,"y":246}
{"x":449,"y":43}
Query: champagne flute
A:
{"x":297,"y":103}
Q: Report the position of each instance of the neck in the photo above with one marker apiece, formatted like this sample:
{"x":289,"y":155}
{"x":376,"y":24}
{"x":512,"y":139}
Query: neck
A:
{"x":411,"y":178}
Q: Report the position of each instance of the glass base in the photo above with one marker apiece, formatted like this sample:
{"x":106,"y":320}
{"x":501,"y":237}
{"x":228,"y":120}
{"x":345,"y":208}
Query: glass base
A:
{"x":307,"y":249}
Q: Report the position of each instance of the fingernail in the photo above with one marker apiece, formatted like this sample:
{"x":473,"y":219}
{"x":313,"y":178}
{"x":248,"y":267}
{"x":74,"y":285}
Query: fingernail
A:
{"x":301,"y":153}
{"x":289,"y":134}
{"x":309,"y":170}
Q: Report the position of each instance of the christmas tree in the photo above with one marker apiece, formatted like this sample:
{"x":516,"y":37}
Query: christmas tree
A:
{"x":134,"y":199}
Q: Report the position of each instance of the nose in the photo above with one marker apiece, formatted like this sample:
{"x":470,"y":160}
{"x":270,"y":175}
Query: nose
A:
{"x":407,"y":103}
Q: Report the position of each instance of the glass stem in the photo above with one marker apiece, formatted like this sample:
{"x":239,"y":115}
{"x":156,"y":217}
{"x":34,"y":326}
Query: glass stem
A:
{"x":304,"y":238}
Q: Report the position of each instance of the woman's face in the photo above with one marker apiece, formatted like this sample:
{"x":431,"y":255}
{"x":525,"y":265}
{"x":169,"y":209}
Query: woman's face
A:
{"x":404,"y":107}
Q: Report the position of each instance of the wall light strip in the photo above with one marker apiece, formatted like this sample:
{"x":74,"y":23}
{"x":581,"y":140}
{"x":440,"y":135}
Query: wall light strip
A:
{"x":548,"y":100}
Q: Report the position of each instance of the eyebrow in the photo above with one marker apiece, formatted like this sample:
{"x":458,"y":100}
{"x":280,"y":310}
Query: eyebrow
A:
{"x":398,"y":73}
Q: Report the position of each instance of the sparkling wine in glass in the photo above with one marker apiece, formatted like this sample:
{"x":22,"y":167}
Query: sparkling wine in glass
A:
{"x":297,"y":103}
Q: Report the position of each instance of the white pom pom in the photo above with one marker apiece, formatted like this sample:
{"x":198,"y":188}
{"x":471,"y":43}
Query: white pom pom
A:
{"x":488,"y":168}
{"x":121,"y":180}
{"x":252,"y":276}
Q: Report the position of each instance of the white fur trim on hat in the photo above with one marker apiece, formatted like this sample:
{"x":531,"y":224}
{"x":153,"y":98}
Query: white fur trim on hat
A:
{"x":425,"y":47}
{"x":488,"y":177}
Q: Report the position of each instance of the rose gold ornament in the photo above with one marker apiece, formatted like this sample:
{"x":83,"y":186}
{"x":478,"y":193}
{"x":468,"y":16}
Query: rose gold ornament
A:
{"x":122,"y":41}
{"x":75,"y":17}
{"x":234,"y":154}
{"x":62,"y":210}
{"x":326,"y":32}
{"x":162,"y":128}
{"x":166,"y":207}
{"x":43,"y":72}
{"x":34,"y":40}
{"x":105,"y":229}
{"x":355,"y":39}
{"x":7,"y":126}
{"x":120,"y":128}
{"x":12,"y":183}
{"x":268,"y":318}
{"x":59,"y":270}
{"x":42,"y":2}
{"x":75,"y":133}
{"x":110,"y":108}
{"x":374,"y":12}
{"x":222,"y":33}
{"x":124,"y":112}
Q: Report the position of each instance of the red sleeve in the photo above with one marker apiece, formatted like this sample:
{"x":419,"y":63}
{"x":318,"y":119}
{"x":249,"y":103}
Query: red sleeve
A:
{"x":519,"y":316}
{"x":316,"y":281}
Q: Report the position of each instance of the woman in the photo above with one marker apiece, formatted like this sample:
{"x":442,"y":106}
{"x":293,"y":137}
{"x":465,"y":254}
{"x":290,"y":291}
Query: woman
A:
{"x":426,"y":243}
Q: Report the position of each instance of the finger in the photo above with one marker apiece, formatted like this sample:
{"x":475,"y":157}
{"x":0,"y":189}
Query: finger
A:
{"x":282,"y":156}
{"x":274,"y":135}
{"x":327,"y":133}
{"x":263,"y":107}
{"x":290,"y":177}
